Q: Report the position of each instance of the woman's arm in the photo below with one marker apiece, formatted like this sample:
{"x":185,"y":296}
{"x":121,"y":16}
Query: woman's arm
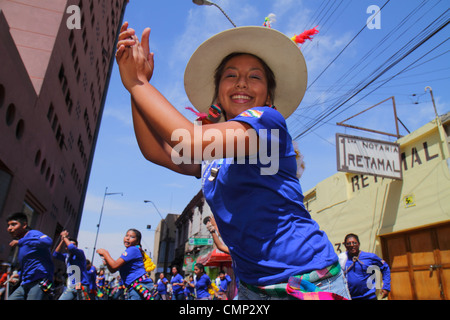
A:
{"x":155,"y":149}
{"x":111,"y":264}
{"x":136,"y":68}
{"x":152,"y":146}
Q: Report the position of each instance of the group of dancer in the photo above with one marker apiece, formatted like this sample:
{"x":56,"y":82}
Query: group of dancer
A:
{"x":245,"y":81}
{"x":36,"y":281}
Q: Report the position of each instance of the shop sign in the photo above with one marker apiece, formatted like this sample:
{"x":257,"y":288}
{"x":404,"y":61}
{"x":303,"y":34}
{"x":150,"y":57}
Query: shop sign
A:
{"x":368,"y":156}
{"x":201,"y":241}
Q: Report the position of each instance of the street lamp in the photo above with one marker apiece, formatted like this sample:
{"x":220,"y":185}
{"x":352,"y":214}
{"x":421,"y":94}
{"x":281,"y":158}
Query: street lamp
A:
{"x":100,"y":219}
{"x":432,"y":99}
{"x":209,"y":3}
{"x":147,"y":201}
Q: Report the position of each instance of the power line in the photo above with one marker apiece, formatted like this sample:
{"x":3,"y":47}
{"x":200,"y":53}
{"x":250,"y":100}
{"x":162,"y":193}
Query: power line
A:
{"x":423,"y":37}
{"x":323,"y":116}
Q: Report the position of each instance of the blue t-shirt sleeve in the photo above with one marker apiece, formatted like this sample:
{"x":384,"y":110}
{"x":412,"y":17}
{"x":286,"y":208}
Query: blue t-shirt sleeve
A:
{"x":385,"y":271}
{"x":75,"y":251}
{"x":131,"y":253}
{"x":270,"y":126}
{"x":58,"y":255}
{"x":36,"y":239}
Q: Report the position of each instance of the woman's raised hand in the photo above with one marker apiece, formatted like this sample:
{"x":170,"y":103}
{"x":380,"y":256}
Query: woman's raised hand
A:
{"x":134,"y":58}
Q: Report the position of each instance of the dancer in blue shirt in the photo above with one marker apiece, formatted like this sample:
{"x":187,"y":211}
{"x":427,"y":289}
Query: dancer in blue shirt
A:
{"x":244,"y":82}
{"x":92,"y":276}
{"x":78,"y":279}
{"x":202,"y":282}
{"x":131,"y":267}
{"x":360,"y":269}
{"x":36,"y":265}
{"x":177,"y":285}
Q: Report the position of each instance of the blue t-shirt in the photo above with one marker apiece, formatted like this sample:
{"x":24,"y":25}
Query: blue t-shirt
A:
{"x":188,"y":290}
{"x":35,"y":257}
{"x":162,"y":286}
{"x":92,"y":275}
{"x":358,"y":273}
{"x":177,"y":289}
{"x":223,"y":285}
{"x":258,"y":207}
{"x":201,"y":286}
{"x":101,"y":280}
{"x":75,"y":257}
{"x":133,"y":268}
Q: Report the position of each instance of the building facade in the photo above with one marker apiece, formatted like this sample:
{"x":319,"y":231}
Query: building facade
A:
{"x":57,"y":59}
{"x":194,"y":243}
{"x":406,"y":222}
{"x":190,"y":226}
{"x":164,"y":246}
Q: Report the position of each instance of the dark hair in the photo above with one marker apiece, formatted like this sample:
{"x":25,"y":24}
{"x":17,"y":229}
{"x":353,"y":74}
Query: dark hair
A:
{"x":351,"y":235}
{"x":18,"y":216}
{"x":200,"y":266}
{"x":138,"y":237}
{"x":271,"y":81}
{"x":74,"y":240}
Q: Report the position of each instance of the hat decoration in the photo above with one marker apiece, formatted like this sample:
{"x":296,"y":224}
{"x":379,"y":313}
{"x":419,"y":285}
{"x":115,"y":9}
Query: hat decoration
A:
{"x":305,"y":35}
{"x":269,"y":20}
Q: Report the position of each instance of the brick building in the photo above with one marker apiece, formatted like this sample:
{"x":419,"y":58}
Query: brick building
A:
{"x":57,"y":57}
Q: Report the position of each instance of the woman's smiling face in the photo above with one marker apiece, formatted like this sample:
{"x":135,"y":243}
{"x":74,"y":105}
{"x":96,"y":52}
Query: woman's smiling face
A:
{"x":243,"y":85}
{"x":130,"y":239}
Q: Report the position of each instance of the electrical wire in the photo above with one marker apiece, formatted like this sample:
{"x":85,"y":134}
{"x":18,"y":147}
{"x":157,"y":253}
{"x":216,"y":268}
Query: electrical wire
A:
{"x":427,"y":33}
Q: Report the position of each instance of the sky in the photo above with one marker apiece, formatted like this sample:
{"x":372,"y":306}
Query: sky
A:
{"x":352,"y":65}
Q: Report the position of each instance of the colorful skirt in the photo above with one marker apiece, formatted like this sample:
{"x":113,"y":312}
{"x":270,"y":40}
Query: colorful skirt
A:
{"x":301,"y":287}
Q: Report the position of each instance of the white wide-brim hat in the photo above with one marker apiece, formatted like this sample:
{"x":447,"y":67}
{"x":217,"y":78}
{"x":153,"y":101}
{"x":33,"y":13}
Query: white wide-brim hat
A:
{"x":278,"y":51}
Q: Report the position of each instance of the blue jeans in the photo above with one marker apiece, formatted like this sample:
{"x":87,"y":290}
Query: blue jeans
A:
{"x":29,"y":291}
{"x":336,"y":284}
{"x":69,"y":294}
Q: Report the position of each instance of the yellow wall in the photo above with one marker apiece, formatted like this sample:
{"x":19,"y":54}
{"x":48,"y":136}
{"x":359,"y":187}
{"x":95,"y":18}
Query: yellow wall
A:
{"x":370,"y":206}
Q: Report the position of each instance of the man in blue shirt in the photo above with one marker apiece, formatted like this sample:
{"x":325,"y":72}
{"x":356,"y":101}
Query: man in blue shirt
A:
{"x":222,"y":283}
{"x":92,"y":275}
{"x":36,"y":265}
{"x":78,"y":282}
{"x":161,"y":287}
{"x":361,"y":270}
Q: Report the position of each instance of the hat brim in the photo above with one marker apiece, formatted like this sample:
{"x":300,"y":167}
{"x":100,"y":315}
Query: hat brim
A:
{"x":279,"y":52}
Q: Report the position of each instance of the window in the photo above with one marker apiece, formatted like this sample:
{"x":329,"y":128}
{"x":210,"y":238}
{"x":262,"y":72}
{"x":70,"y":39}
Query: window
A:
{"x":2,"y":95}
{"x":5,"y":181}
{"x":10,"y":114}
{"x":31,"y":213}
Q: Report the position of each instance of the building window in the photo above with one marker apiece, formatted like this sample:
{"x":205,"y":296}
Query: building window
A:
{"x":50,"y":112}
{"x":31,"y":213}
{"x":10,"y":114}
{"x":5,"y":181}
{"x":20,"y":128}
{"x":2,"y":95}
{"x":37,"y":158}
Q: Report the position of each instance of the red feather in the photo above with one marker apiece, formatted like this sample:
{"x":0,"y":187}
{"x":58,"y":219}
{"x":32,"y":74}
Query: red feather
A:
{"x":305,"y":35}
